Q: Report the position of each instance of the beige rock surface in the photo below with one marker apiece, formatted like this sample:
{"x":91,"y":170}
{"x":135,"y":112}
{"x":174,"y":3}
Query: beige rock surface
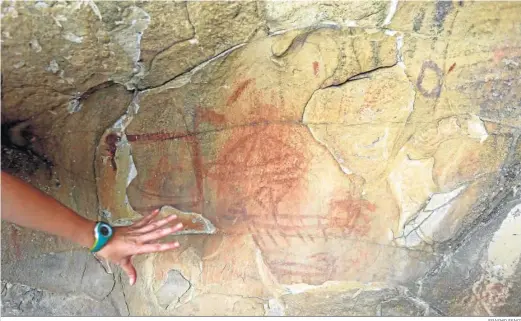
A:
{"x":289,"y":15}
{"x":216,"y":28}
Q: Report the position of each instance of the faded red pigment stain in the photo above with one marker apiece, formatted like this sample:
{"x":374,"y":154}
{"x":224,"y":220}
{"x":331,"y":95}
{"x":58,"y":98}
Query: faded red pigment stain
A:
{"x":229,"y":264}
{"x":360,"y":260}
{"x":351,"y":214}
{"x":260,"y":167}
{"x":313,"y":268}
{"x":209,"y":116}
{"x":316,"y":68}
{"x":451,"y":68}
{"x":162,"y":182}
{"x":470,"y":166}
{"x":494,"y":294}
{"x":256,"y":169}
{"x":202,"y":116}
{"x":503,"y":52}
{"x":375,"y":95}
{"x":347,"y":217}
{"x":164,"y":170}
{"x":254,"y":106}
{"x":238,"y":91}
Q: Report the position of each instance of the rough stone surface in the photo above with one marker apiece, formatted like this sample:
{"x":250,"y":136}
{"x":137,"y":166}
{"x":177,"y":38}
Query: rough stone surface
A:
{"x":348,"y":158}
{"x":215,"y":28}
{"x":21,"y":300}
{"x":288,"y":15}
{"x":67,"y":272}
{"x":62,"y":284}
{"x":354,"y":302}
{"x":173,"y":289}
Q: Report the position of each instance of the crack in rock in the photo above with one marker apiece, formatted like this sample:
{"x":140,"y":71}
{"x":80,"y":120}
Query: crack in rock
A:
{"x":128,"y":36}
{"x":184,"y":78}
{"x":173,"y":289}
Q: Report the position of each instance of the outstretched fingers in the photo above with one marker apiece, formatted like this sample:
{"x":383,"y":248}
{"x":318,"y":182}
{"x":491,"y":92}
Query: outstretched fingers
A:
{"x":145,"y":220}
{"x":155,"y":225}
{"x":157,"y":247}
{"x":160,"y":233}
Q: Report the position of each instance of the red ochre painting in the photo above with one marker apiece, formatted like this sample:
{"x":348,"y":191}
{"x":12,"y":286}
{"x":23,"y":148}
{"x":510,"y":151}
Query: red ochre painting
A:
{"x":258,"y":186}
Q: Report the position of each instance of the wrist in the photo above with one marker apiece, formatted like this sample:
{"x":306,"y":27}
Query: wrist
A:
{"x":86,"y":236}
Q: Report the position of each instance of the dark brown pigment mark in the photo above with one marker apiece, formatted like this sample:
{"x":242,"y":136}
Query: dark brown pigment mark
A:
{"x":316,"y":67}
{"x":112,"y":140}
{"x":436,"y":91}
{"x":155,"y":137}
{"x":238,"y":91}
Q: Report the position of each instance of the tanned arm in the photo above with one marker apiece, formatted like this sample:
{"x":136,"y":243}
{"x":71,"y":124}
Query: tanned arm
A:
{"x":24,"y":205}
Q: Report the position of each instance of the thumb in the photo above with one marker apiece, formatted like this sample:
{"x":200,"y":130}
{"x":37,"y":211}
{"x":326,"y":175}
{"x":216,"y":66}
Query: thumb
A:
{"x":129,"y":269}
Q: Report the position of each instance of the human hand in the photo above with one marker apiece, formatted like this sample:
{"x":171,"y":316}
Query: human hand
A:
{"x":139,"y":238}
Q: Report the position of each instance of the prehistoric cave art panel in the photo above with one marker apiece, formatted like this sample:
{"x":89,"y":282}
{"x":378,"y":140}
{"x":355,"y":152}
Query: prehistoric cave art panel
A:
{"x":262,"y":180}
{"x":274,"y":182}
{"x":261,"y":175}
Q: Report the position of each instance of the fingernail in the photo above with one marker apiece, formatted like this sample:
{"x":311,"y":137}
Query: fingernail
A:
{"x":131,"y":281}
{"x":176,"y":244}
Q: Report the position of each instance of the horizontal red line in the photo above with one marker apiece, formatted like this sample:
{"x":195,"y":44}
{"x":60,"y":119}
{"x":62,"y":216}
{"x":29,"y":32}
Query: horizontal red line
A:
{"x":155,"y":137}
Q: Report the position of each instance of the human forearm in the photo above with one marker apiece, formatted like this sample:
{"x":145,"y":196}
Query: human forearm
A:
{"x":26,"y":206}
